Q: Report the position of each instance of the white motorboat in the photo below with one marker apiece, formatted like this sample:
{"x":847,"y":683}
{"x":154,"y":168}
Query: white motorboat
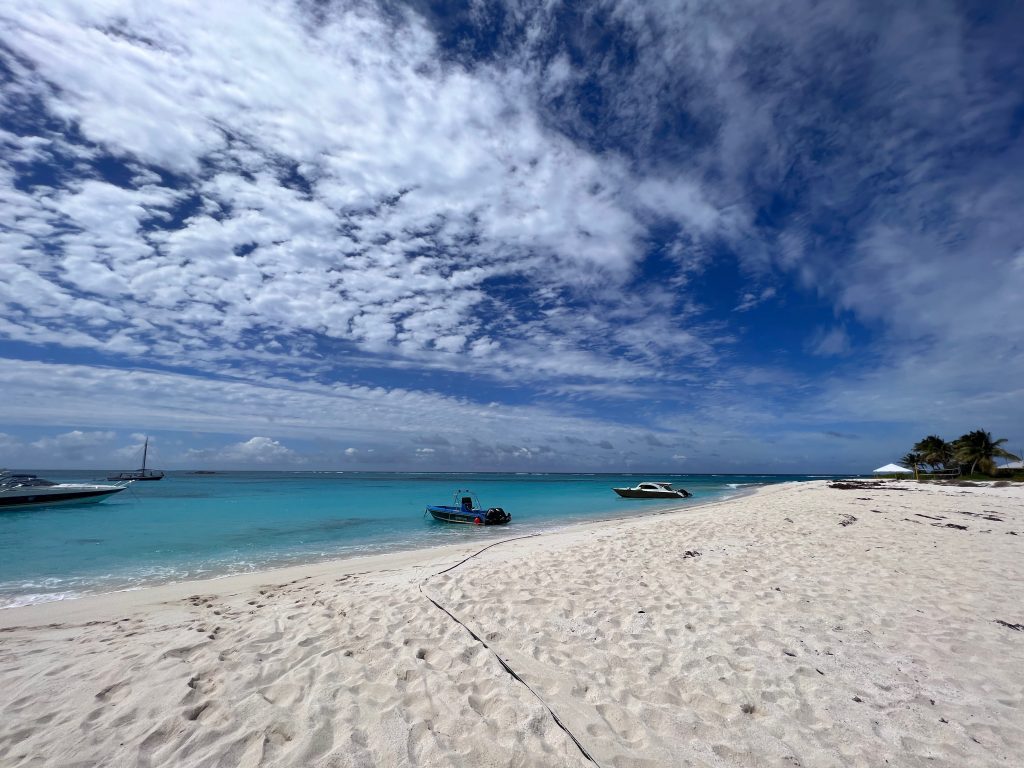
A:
{"x":653,"y":490}
{"x":20,"y":491}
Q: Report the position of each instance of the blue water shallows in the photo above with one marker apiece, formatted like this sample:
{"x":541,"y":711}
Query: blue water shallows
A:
{"x":197,"y":526}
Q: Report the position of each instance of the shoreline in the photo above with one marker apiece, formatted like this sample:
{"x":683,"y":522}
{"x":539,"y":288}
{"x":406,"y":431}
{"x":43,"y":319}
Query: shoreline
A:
{"x":399,"y":553}
{"x":799,"y":625}
{"x":109,"y":603}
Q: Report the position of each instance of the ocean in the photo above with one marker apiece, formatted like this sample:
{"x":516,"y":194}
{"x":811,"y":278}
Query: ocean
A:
{"x":190,"y":526}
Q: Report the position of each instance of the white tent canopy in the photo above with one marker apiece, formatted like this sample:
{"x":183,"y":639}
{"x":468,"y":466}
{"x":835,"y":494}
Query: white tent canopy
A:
{"x":1012,"y":465}
{"x":893,"y":469}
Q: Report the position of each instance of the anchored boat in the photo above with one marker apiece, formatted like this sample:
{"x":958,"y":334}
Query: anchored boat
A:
{"x":19,"y":491}
{"x":140,"y":474}
{"x":465,"y":508}
{"x":653,"y":490}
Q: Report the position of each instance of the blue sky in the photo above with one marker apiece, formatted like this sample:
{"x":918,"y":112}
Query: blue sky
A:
{"x":689,"y":237}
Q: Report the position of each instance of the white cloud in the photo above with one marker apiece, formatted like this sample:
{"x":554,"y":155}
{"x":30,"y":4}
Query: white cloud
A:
{"x":886,"y":139}
{"x":75,"y":445}
{"x":830,"y":342}
{"x":133,"y":451}
{"x":376,"y":425}
{"x":417,"y":184}
{"x":751,"y":299}
{"x":346,"y":195}
{"x":259,"y":450}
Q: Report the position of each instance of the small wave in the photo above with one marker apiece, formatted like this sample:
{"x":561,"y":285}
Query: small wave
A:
{"x":35,"y":598}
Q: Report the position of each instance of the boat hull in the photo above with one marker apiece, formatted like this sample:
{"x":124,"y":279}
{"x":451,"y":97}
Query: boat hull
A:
{"x":56,"y":498}
{"x":135,"y":477}
{"x":458,"y":515}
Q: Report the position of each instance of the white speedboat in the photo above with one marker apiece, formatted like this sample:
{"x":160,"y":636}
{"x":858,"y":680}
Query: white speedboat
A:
{"x":653,"y":490}
{"x":20,"y":491}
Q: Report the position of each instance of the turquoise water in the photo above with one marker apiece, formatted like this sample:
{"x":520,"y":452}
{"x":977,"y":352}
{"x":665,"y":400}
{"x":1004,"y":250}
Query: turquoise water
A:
{"x":196,"y":526}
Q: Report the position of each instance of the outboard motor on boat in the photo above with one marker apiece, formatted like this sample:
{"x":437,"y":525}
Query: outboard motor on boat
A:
{"x":497,"y":516}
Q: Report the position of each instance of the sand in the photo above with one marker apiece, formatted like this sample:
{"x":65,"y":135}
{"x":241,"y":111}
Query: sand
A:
{"x":800,"y":626}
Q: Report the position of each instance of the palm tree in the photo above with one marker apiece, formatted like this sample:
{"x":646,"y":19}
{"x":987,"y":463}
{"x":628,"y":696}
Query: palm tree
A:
{"x":935,"y":451}
{"x":912,"y":461}
{"x":978,"y":447}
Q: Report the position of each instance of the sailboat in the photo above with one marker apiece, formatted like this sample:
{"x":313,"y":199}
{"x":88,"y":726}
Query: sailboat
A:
{"x":140,"y":474}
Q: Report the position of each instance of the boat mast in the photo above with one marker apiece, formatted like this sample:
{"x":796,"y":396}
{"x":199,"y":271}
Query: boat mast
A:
{"x":145,"y":450}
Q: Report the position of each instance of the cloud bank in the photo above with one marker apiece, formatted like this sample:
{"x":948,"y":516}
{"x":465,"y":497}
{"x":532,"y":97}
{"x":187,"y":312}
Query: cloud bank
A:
{"x":684,"y":230}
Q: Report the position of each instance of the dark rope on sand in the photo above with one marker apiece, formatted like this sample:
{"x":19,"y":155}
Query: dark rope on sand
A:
{"x":515,"y":675}
{"x":480,"y":552}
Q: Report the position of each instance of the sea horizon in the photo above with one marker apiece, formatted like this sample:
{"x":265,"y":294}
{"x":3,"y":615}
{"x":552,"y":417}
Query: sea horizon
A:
{"x":631,"y":473}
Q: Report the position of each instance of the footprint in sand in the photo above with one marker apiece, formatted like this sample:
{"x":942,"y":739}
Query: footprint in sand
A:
{"x":114,"y":692}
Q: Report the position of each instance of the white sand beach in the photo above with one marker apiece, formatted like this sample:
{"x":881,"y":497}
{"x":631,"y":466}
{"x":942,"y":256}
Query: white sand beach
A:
{"x":802,"y":625}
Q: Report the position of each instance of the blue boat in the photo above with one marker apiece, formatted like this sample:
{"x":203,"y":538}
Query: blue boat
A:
{"x":466,"y":509}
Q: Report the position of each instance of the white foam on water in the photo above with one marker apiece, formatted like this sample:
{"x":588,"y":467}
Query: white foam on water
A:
{"x":35,"y":598}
